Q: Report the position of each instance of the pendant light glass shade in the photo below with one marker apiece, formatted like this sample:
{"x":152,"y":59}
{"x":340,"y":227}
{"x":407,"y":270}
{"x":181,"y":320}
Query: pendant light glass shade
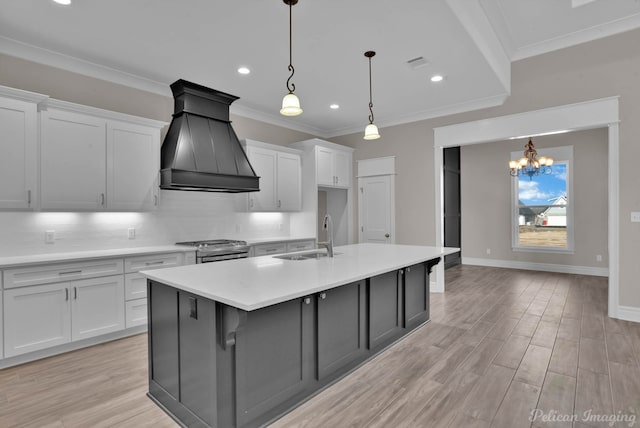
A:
{"x":371,"y":132}
{"x":290,"y":105}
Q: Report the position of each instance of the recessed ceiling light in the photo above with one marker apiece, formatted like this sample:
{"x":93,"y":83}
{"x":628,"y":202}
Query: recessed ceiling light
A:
{"x":334,"y":106}
{"x":437,"y":78}
{"x":244,"y":70}
{"x":63,"y":2}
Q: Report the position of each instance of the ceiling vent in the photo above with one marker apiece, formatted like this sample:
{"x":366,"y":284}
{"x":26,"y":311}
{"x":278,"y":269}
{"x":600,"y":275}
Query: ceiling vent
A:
{"x":417,"y":63}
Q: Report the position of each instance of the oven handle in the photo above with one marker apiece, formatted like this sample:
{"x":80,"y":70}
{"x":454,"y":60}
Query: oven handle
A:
{"x":211,"y":259}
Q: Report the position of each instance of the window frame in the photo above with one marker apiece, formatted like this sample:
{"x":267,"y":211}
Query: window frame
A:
{"x":562,"y":154}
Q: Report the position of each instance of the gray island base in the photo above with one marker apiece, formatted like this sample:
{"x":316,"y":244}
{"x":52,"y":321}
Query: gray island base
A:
{"x":215,"y":365}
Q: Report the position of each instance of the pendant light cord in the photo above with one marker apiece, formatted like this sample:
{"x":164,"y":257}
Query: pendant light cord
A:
{"x":370,"y":95}
{"x":290,"y":68}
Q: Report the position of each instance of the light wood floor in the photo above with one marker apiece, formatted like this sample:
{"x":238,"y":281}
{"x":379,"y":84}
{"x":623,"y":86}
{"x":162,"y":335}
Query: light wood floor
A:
{"x":501,"y":342}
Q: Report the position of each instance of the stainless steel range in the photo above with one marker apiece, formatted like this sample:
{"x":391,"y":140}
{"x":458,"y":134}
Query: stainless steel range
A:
{"x":218,"y":249}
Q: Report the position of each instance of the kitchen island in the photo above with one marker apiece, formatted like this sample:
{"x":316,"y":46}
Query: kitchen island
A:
{"x":238,"y":343}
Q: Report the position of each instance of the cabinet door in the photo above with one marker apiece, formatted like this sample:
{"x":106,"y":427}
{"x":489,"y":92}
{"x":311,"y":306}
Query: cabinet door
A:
{"x":97,"y":306}
{"x":385,"y":321}
{"x":133,"y":162}
{"x":18,"y":158}
{"x":264,"y":163}
{"x":36,"y":318}
{"x":340,"y":327}
{"x":324,"y":166}
{"x":416,"y":295}
{"x":272,"y":361}
{"x":289,"y":182}
{"x":72,"y":161}
{"x":342,"y":170}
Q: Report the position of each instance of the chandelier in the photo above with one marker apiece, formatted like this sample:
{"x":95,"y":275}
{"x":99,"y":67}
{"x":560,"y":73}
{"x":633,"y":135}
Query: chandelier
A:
{"x":530,"y":165}
{"x":371,"y":130}
{"x":290,"y":102}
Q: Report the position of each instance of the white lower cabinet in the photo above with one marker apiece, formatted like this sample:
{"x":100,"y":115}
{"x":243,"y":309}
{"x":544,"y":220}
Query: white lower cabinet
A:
{"x":43,"y":316}
{"x":136,"y":311}
{"x":36,"y":318}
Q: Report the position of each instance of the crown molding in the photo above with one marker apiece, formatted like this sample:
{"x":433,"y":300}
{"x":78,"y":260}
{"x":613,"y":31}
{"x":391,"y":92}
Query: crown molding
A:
{"x":54,"y":59}
{"x":587,"y":35}
{"x":19,"y":94}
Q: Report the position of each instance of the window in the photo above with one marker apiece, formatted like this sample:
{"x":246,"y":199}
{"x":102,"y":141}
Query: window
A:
{"x":543,"y":205}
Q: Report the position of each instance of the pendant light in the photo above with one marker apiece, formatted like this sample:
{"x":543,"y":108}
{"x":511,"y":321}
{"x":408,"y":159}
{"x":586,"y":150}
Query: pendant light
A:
{"x":290,"y":102}
{"x":371,"y":131}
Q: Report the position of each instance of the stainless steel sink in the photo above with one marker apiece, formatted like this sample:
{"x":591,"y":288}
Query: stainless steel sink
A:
{"x":304,"y":256}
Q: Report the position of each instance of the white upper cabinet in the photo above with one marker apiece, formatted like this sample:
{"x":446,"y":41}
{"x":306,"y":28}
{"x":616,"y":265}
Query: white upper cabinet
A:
{"x":333,"y":167}
{"x":280,"y":173}
{"x":92,"y":161}
{"x":18,"y":149}
{"x":73,"y":161}
{"x":133,"y":160}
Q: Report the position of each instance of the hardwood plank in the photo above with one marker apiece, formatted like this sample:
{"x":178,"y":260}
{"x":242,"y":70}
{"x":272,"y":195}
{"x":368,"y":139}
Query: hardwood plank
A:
{"x":569,"y":329}
{"x":592,"y":327}
{"x":503,"y":328}
{"x":462,"y":420}
{"x":625,"y":385}
{"x":451,"y":360}
{"x":487,"y":394}
{"x":545,"y":334}
{"x":533,"y":367}
{"x":564,"y":359}
{"x":527,"y":325}
{"x":475,"y":335}
{"x":593,"y":397}
{"x":572,"y":309}
{"x":479,"y":360}
{"x":517,"y":406}
{"x":537,"y":307}
{"x":620,"y":349}
{"x":593,"y":355}
{"x":557,"y":398}
{"x":512,"y":352}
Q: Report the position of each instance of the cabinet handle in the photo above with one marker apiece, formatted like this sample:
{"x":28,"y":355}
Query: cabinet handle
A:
{"x":250,"y":202}
{"x":307,"y":300}
{"x":401,"y":271}
{"x":279,"y":203}
{"x":323,"y":296}
{"x":75,"y":293}
{"x":66,"y":294}
{"x":102,"y":199}
{"x":70,"y":272}
{"x":159,"y":262}
{"x":155,"y":200}
{"x":271,"y":250}
{"x":29,"y":197}
{"x":408,"y":269}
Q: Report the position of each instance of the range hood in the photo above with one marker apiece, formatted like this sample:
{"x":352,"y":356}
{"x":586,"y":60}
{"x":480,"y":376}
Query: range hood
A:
{"x":201,"y":151}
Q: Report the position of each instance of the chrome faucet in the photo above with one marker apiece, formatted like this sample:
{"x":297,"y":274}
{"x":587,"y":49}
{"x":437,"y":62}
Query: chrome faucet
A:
{"x":328,"y":226}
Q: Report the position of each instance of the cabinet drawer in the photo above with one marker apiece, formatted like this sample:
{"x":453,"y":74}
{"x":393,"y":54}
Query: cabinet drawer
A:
{"x":135,"y":286}
{"x":155,"y":261}
{"x":136,"y":312}
{"x":269,"y":249}
{"x":58,"y":272}
{"x":300,"y":246}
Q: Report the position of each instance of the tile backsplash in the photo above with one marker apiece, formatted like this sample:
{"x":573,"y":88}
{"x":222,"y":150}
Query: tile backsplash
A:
{"x":182,"y":216}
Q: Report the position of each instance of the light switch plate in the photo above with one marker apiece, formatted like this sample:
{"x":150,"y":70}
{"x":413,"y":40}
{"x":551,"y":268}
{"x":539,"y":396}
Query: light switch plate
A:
{"x":49,"y":236}
{"x":131,"y":233}
{"x":635,"y":217}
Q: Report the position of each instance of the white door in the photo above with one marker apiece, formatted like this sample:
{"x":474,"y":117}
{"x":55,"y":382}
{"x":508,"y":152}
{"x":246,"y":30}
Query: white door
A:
{"x":264,"y":163}
{"x":376,"y":205}
{"x":36,"y":318}
{"x":97,"y":306}
{"x":133,"y":162}
{"x":73,"y":161}
{"x":288,"y":182}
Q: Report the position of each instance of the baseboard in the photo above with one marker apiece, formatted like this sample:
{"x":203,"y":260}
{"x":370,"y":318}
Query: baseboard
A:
{"x":544,"y":267}
{"x":629,"y":313}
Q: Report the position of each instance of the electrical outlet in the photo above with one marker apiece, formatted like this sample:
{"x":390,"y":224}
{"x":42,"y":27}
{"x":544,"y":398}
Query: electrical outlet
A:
{"x":49,"y":236}
{"x":280,"y":226}
{"x":599,"y":257}
{"x":131,"y":233}
{"x":635,"y":217}
{"x":488,"y":250}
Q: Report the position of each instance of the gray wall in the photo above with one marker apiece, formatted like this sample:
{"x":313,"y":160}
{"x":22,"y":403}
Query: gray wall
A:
{"x":598,"y":69}
{"x":486,"y":199}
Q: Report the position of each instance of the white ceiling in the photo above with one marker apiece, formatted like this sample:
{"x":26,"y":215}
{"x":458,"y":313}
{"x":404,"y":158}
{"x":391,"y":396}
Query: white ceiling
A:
{"x":151,"y":43}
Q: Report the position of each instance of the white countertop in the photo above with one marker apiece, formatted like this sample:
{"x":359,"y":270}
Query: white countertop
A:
{"x":15,"y":261}
{"x":257,"y":241}
{"x":257,"y":282}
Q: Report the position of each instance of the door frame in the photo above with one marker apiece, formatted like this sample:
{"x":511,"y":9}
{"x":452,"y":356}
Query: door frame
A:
{"x":385,"y":166}
{"x":599,"y":113}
